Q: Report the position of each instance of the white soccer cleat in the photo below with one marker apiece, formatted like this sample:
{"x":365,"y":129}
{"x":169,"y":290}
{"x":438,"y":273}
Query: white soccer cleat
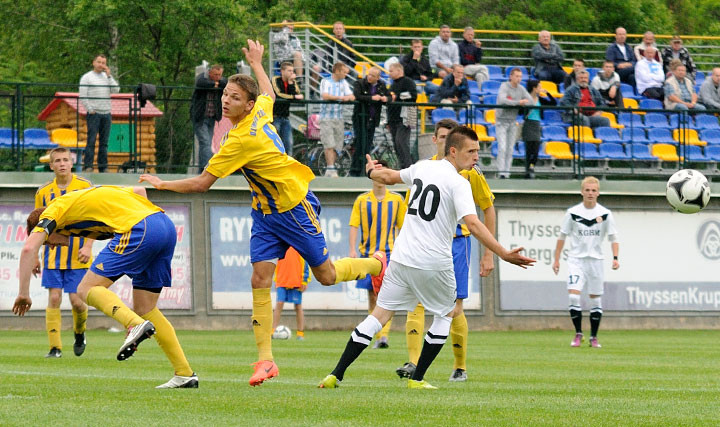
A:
{"x":135,"y":336}
{"x":179,"y":381}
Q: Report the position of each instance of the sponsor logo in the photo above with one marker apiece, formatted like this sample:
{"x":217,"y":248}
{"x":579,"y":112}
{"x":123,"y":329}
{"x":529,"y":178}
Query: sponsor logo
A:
{"x":413,"y":332}
{"x":708,"y":240}
{"x":99,"y":267}
{"x":115,"y":309}
{"x":457,"y":346}
{"x":256,"y":323}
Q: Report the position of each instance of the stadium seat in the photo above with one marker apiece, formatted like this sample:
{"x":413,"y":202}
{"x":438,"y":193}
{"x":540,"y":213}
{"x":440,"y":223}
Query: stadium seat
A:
{"x":493,"y":149}
{"x":490,"y":87}
{"x":630,"y":120}
{"x":690,"y":137}
{"x":711,"y":136}
{"x":482,"y":134}
{"x":519,"y":151}
{"x":567,"y":69}
{"x":473,"y":87}
{"x":438,"y":81}
{"x":650,"y":104}
{"x":37,"y":139}
{"x":588,"y":151}
{"x":584,"y":134}
{"x":675,"y":121}
{"x":361,"y":67}
{"x":524,"y":70}
{"x":592,"y":72}
{"x":635,"y":135}
{"x":628,"y":92}
{"x":713,"y":152}
{"x":665,"y":152}
{"x":613,"y":120}
{"x":442,"y":113}
{"x":699,"y":77}
{"x":554,"y":133}
{"x":558,"y":150}
{"x":551,"y":88}
{"x":660,"y":136}
{"x":706,"y":121}
{"x":613,"y":151}
{"x":656,"y":120}
{"x":542,"y":153}
{"x":630,"y":103}
{"x":66,"y":138}
{"x":608,"y":134}
{"x":490,"y":116}
{"x":495,"y":72}
{"x":6,"y":137}
{"x":553,"y":118}
{"x":640,"y":152}
{"x":471,"y":116}
{"x":491,"y":130}
{"x":490,"y":100}
{"x":695,"y":153}
{"x":475,"y":99}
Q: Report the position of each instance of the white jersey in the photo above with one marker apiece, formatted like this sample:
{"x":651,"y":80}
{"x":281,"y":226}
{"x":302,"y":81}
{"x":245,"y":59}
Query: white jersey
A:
{"x":440,"y":197}
{"x":586,"y":229}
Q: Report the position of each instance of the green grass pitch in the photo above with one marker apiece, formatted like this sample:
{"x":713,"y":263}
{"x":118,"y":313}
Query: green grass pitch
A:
{"x":515,"y":378}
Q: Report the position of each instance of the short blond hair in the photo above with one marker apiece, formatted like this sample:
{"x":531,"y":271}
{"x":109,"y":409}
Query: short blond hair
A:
{"x":589,"y":180}
{"x":247,"y":84}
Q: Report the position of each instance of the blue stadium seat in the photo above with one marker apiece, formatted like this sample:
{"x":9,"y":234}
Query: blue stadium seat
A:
{"x":630,"y":120}
{"x":490,"y":87}
{"x":589,"y":151}
{"x":473,"y":87}
{"x":493,"y":149}
{"x":542,"y":154}
{"x":475,"y":114}
{"x":608,"y":134}
{"x":628,"y":91}
{"x":640,"y":152}
{"x":491,"y":130}
{"x":519,"y":151}
{"x":660,"y":136}
{"x":592,"y":72}
{"x":656,"y":120}
{"x":694,"y":153}
{"x":475,"y":99}
{"x":553,"y":118}
{"x":612,"y":151}
{"x":713,"y":152}
{"x":6,"y":139}
{"x":706,"y":121}
{"x":699,"y":77}
{"x":711,"y":136}
{"x":495,"y":72}
{"x":490,"y":100}
{"x":524,"y":70}
{"x":555,"y":133}
{"x":675,"y":119}
{"x":635,"y":135}
{"x":37,"y":139}
{"x":441,"y":113}
{"x":650,"y":104}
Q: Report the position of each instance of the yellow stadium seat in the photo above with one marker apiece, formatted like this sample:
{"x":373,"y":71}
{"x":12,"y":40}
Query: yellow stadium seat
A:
{"x":568,"y":69}
{"x":490,"y":116}
{"x":665,"y":152}
{"x":691,"y":137}
{"x":585,"y":134}
{"x":66,"y":138}
{"x":613,"y":120}
{"x":481,"y":132}
{"x":438,"y":81}
{"x":361,"y":67}
{"x":551,"y":88}
{"x":630,"y":103}
{"x":559,"y":150}
{"x":45,"y":158}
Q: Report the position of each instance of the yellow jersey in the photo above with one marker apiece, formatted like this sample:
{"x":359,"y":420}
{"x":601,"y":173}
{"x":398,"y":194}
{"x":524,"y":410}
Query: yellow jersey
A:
{"x":277,"y":181}
{"x":96,"y":212}
{"x":62,"y":257}
{"x":379,"y":222}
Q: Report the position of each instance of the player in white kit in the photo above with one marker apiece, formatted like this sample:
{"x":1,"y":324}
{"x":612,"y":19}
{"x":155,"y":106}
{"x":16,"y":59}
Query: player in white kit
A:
{"x":421,"y":265}
{"x":586,"y":225}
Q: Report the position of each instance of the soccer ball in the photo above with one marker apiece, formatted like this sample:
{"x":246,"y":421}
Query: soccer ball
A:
{"x":688,"y":191}
{"x":282,"y":332}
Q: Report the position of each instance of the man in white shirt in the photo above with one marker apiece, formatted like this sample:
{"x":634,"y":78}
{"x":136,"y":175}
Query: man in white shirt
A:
{"x":421,"y":265}
{"x":586,"y":225}
{"x":95,"y":88}
{"x":331,"y":122}
{"x":649,"y":75}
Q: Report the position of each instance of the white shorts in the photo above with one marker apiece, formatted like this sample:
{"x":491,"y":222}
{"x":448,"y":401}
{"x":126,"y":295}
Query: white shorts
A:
{"x":332,"y":133}
{"x":403,"y":287}
{"x":586,"y":271}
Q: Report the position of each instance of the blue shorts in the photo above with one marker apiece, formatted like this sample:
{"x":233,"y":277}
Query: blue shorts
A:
{"x":461,"y":262}
{"x":364,"y":283}
{"x":299,"y":227}
{"x":291,"y":295}
{"x":67,"y":280}
{"x":144,"y":253}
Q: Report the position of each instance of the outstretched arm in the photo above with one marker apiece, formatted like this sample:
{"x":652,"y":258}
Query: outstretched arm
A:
{"x":196,"y":184}
{"x":254,"y":53}
{"x":481,"y":233}
{"x":380,"y":174}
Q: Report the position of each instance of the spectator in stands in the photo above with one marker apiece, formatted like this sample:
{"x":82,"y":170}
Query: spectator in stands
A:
{"x":676,"y":50}
{"x":206,"y":109}
{"x":95,"y":88}
{"x":649,"y":75}
{"x":679,"y":89}
{"x":512,"y":93}
{"x":548,"y":59}
{"x":607,"y":82}
{"x":400,"y":118}
{"x":470,"y":50}
{"x":454,"y":88}
{"x":710,"y":90}
{"x":417,"y":66}
{"x":287,"y":47}
{"x":331,"y":123}
{"x":622,"y":56}
{"x":372,"y":93}
{"x":334,"y":52}
{"x":286,"y":90}
{"x":647,"y":41}
{"x":531,"y":128}
{"x":443,"y":52}
{"x":584,"y":97}
{"x":578,"y":64}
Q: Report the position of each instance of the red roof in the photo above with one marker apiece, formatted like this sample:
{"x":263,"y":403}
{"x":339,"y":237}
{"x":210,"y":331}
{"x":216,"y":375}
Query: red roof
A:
{"x":121,"y":104}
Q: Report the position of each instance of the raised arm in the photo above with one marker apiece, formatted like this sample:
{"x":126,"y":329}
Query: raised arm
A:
{"x":196,"y":184}
{"x":379,"y":174}
{"x":254,"y":53}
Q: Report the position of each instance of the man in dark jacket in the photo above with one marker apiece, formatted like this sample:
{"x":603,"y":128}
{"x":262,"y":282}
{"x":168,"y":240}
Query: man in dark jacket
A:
{"x":372,"y":93}
{"x":399,"y":117}
{"x":622,"y":55}
{"x":206,"y":109}
{"x":454,"y":88}
{"x":286,"y":90}
{"x":417,"y":66}
{"x":471,"y":53}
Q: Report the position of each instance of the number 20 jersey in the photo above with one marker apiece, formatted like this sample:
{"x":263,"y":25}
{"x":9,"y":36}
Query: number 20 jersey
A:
{"x":439,"y":198}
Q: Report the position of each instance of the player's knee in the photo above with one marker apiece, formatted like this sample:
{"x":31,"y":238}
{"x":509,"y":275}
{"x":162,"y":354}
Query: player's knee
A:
{"x":326,"y":279}
{"x":54,"y":300}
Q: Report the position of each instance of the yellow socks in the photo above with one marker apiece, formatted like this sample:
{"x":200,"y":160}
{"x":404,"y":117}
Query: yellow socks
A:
{"x":459,"y":336}
{"x":414,"y":332}
{"x":106,"y":301}
{"x":300,"y":334}
{"x":53,"y":324}
{"x":79,"y":320}
{"x":262,"y":318}
{"x":355,"y":268}
{"x":384,"y":331}
{"x":168,"y":342}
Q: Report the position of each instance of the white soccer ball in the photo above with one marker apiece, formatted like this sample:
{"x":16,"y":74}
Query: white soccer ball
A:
{"x":282,"y":332}
{"x":688,"y":191}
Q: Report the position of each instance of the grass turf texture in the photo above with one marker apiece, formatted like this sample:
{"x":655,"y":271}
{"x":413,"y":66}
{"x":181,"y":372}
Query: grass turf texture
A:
{"x":515,"y":378}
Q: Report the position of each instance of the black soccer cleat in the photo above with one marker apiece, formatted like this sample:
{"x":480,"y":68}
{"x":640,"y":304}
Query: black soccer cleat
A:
{"x":54,"y":353}
{"x":79,"y":346}
{"x":406,"y":371}
{"x":136,"y":335}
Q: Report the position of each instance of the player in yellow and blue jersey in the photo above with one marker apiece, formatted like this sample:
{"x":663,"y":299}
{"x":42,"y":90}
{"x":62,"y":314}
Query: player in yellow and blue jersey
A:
{"x":414,"y":327}
{"x":377,"y":216}
{"x":64,"y":267}
{"x":284,"y":210}
{"x":142,"y":242}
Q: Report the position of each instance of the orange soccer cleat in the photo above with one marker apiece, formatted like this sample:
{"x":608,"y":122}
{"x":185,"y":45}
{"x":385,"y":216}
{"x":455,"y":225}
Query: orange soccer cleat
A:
{"x":264,"y":370}
{"x":377,"y":280}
